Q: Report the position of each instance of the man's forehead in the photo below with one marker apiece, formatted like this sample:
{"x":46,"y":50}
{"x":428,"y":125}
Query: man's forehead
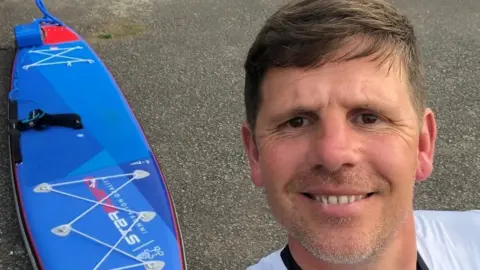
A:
{"x":347,"y":83}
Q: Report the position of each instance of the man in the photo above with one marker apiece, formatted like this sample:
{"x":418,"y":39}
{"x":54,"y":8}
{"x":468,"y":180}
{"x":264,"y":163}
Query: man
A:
{"x":337,"y":133}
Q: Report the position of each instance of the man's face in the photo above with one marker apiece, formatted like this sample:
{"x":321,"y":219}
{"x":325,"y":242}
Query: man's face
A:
{"x":337,"y":150}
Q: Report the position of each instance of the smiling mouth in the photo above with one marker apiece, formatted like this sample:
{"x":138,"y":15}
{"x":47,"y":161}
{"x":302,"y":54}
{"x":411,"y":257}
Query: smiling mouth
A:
{"x":342,"y":199}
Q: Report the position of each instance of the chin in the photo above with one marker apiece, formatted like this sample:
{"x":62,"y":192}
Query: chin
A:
{"x":345,"y":246}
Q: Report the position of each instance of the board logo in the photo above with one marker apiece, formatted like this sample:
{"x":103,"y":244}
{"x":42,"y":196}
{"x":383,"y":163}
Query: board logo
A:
{"x":122,"y":226}
{"x":120,"y":223}
{"x":150,"y":254}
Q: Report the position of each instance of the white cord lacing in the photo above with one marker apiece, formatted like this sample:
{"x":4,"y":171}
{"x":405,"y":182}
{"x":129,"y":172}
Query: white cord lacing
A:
{"x":65,"y":229}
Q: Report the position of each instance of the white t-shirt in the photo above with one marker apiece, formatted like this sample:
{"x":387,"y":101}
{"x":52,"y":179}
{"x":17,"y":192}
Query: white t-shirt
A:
{"x":446,"y":240}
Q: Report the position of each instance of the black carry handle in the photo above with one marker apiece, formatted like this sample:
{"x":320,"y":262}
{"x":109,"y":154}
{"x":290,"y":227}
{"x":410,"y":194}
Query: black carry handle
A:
{"x":69,"y":120}
{"x":39,"y":120}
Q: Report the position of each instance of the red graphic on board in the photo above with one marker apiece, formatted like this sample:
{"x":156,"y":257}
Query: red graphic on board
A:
{"x":99,"y":194}
{"x":58,"y":34}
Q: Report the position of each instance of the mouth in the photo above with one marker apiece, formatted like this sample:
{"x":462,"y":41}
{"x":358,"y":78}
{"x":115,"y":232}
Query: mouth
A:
{"x":341,"y":199}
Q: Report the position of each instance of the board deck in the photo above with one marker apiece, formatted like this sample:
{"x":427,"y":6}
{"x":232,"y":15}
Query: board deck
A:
{"x":89,"y":197}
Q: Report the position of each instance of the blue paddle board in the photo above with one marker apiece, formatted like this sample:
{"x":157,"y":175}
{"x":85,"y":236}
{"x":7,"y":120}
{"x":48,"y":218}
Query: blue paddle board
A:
{"x":90,"y":193}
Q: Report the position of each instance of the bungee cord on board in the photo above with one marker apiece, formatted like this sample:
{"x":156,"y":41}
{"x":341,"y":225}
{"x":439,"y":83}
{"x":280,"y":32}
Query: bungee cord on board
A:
{"x":145,"y":216}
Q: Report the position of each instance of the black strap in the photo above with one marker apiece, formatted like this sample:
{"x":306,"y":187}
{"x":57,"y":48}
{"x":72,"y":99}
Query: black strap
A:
{"x":291,"y":264}
{"x":14,"y":133}
{"x":39,"y":120}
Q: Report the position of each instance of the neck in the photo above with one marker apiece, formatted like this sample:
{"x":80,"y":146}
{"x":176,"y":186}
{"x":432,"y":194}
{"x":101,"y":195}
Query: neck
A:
{"x":401,"y":254}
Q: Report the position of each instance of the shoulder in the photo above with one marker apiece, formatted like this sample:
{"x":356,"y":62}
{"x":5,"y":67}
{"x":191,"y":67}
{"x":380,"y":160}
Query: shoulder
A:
{"x":272,"y":261}
{"x":458,"y":225}
{"x":447,"y":239}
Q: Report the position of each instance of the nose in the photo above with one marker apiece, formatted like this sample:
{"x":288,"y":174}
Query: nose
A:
{"x":334,"y":145}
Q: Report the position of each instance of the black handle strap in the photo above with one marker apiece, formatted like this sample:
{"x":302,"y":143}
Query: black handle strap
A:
{"x":39,"y":120}
{"x":15,"y":152}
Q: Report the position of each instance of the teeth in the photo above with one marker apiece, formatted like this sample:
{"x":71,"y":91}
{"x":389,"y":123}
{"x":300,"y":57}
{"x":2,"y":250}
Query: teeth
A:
{"x":338,"y":199}
{"x":332,"y":200}
{"x":342,"y":199}
{"x":360,"y":197}
{"x":324,"y":199}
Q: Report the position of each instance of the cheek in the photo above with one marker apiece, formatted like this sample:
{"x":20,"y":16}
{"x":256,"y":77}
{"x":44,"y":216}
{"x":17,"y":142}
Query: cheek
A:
{"x":393,"y":158}
{"x":280,"y":160}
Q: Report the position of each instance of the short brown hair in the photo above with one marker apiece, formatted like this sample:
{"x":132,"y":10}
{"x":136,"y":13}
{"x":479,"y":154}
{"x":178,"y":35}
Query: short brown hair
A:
{"x":308,"y":33}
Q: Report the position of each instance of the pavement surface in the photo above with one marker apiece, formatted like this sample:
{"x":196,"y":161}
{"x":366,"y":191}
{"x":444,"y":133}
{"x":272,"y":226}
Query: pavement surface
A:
{"x":179,"y":64}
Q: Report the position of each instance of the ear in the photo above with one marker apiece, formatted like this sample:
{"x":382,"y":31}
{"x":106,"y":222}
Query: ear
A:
{"x":426,"y":146}
{"x":252,"y":154}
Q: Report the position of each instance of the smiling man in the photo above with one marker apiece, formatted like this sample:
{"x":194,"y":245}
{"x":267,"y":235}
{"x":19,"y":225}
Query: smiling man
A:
{"x":337,"y":133}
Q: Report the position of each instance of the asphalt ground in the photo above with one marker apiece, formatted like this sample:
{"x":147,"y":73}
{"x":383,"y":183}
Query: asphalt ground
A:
{"x":179,"y":64}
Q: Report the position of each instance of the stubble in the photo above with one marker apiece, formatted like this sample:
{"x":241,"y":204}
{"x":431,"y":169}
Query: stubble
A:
{"x":337,"y":240}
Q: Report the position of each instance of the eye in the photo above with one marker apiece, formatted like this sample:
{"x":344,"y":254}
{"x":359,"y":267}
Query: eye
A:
{"x":297,"y":122}
{"x":367,"y":118}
